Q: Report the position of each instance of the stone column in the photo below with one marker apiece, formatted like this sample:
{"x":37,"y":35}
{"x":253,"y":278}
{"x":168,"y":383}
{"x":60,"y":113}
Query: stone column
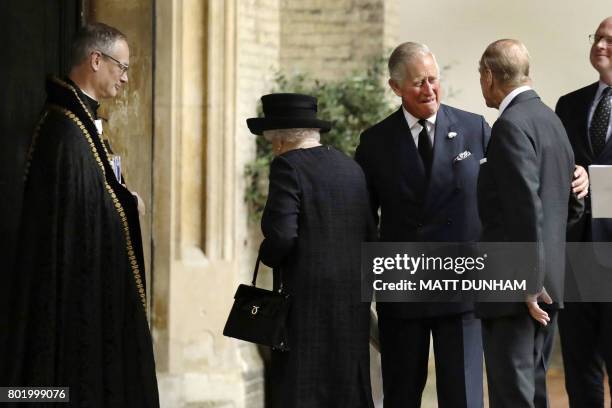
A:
{"x":212,"y":63}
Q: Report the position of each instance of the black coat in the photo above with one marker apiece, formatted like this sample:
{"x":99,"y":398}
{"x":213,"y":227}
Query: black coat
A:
{"x":524,"y":190}
{"x":316,"y":217}
{"x":412,"y":211}
{"x":79,"y":307}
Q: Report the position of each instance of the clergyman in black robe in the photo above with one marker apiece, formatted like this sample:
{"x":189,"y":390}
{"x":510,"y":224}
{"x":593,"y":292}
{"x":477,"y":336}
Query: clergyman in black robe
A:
{"x":79,"y":304}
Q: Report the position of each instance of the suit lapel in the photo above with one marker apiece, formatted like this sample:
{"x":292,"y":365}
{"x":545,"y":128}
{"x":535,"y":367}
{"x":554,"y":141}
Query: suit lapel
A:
{"x":407,"y":162}
{"x":582,"y":118}
{"x":441,"y":169}
{"x":522,"y":97}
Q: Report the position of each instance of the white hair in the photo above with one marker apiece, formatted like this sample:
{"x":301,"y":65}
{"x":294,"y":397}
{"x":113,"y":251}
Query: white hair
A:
{"x":404,"y":54}
{"x":293,"y":135}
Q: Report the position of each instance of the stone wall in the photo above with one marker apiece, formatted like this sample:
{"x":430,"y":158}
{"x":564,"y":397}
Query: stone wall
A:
{"x":332,"y":38}
{"x":257,"y":61}
{"x":217,"y":59}
{"x":130,"y":117}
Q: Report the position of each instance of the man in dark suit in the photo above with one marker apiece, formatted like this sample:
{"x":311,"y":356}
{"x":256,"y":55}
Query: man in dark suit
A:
{"x":421,"y":164}
{"x":586,"y":327}
{"x":523,"y":196}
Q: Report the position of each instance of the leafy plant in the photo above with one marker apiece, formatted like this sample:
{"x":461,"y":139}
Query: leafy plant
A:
{"x":352,"y":104}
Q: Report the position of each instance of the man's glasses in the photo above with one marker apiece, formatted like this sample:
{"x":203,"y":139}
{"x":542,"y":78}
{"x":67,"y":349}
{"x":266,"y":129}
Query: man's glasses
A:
{"x":120,"y":64}
{"x":595,"y":39}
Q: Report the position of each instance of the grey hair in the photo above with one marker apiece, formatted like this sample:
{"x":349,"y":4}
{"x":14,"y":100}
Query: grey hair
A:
{"x":402,"y":55}
{"x":293,"y":135}
{"x":92,"y":37}
{"x":508,"y":61}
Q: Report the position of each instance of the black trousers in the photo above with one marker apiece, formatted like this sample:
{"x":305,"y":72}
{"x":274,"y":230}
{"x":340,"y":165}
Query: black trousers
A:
{"x":586,"y":343}
{"x":457,"y":344}
{"x":517,"y":351}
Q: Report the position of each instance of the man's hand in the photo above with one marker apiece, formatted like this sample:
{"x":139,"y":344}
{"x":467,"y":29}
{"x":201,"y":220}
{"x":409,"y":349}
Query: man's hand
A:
{"x":580,"y":185}
{"x":535,"y":311}
{"x":139,"y":202}
{"x":141,"y":205}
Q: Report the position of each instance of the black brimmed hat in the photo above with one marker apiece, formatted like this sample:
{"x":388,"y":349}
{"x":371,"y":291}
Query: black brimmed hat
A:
{"x":288,"y":111}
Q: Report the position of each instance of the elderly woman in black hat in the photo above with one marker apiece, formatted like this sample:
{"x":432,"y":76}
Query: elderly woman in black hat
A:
{"x":316,"y":217}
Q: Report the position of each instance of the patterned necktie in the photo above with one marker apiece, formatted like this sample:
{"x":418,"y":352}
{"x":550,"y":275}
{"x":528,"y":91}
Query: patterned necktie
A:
{"x":425,"y":149}
{"x":599,"y":123}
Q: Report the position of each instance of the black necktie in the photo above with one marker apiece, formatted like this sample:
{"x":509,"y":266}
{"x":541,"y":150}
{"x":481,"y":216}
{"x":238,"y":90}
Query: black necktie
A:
{"x":599,"y":123}
{"x":425,"y":149}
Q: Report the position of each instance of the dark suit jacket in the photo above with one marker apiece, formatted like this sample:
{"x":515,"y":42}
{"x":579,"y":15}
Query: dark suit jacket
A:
{"x":589,"y":267}
{"x":573,"y":110}
{"x":411,"y":210}
{"x":523,"y":192}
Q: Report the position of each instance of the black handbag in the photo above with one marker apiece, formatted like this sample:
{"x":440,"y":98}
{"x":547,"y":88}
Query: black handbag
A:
{"x":259,"y":315}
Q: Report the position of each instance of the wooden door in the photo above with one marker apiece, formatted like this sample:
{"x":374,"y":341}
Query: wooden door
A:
{"x":37,"y":36}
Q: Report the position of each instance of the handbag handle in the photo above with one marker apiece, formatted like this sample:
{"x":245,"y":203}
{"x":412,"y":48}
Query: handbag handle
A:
{"x":256,"y":271}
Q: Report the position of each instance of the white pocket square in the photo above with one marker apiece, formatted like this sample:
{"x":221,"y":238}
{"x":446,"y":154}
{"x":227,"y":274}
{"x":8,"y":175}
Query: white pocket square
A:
{"x":462,"y":156}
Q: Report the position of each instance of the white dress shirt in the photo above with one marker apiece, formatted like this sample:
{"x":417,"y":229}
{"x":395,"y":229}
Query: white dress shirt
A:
{"x":415,"y":127}
{"x":506,"y":101}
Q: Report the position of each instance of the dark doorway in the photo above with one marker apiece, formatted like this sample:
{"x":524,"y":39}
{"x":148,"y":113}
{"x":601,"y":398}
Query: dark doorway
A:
{"x":37,"y":36}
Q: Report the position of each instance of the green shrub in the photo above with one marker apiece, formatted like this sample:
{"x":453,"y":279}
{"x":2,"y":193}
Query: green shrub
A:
{"x":352,"y":104}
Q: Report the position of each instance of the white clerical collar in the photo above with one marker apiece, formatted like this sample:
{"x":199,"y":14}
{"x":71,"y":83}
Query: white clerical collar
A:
{"x":413,"y":120}
{"x":504,"y":104}
{"x":89,"y":95}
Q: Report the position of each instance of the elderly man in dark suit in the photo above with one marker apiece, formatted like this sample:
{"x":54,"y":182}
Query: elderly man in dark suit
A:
{"x":523,"y":196}
{"x":586,"y":327}
{"x":421,"y":165}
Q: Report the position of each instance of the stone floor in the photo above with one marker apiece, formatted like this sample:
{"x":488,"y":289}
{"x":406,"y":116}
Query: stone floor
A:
{"x":555,"y":383}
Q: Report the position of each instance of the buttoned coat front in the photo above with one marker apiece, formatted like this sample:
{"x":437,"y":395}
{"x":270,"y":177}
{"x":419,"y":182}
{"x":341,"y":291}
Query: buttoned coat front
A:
{"x":413,"y":210}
